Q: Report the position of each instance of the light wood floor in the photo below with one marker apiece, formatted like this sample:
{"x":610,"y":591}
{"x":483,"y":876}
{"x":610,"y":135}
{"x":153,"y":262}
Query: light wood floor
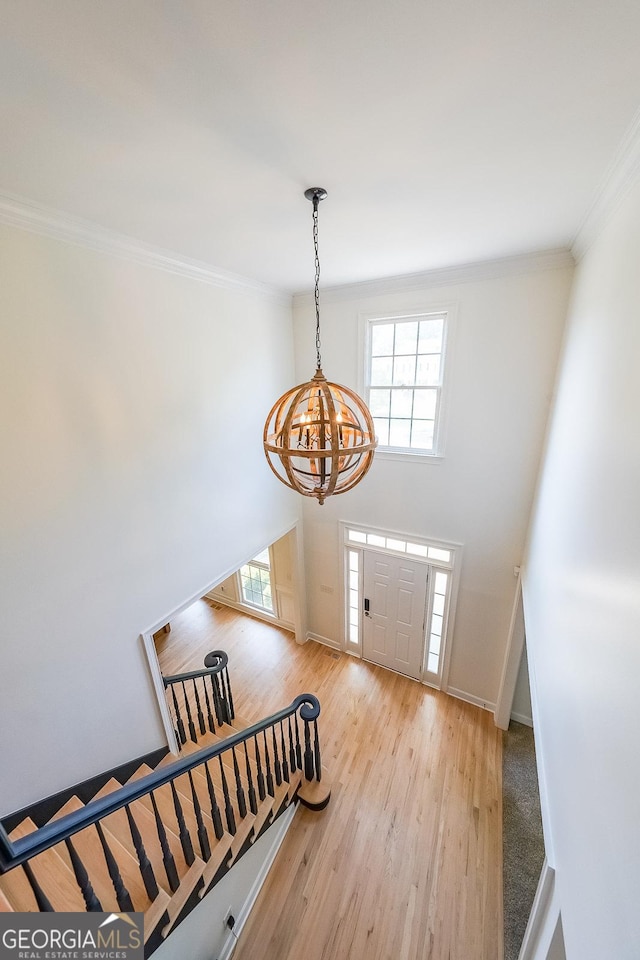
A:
{"x":406,"y":861}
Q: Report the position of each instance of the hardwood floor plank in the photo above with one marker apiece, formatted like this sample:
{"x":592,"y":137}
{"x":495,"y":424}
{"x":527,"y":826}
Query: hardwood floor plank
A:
{"x":406,"y":860}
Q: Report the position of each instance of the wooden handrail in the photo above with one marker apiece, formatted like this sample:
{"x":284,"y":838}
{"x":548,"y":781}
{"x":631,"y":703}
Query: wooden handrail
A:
{"x":15,"y":852}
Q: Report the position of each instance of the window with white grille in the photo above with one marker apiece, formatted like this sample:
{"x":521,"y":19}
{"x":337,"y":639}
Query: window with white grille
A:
{"x":255,"y":581}
{"x":404,"y":378}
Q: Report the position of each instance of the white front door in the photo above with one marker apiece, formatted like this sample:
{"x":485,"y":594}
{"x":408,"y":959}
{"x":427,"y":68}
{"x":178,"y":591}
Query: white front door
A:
{"x":395,"y":593}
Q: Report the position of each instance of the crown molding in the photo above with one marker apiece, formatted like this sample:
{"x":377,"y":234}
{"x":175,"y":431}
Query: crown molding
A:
{"x":28,"y":215}
{"x":622,"y":174}
{"x":448,"y":276}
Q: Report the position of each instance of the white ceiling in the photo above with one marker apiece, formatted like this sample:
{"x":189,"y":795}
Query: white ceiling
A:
{"x":446,"y":131}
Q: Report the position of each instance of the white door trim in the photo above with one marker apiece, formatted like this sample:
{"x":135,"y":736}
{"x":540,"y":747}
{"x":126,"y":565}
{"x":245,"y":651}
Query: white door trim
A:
{"x":158,"y":686}
{"x":512,"y":658}
{"x":543,"y":919}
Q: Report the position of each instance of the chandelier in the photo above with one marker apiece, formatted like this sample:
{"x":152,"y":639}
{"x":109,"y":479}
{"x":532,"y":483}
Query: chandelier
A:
{"x":319,"y":437}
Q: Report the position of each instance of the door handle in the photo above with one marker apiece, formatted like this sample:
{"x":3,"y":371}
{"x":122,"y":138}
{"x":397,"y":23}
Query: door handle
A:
{"x":366,"y":607}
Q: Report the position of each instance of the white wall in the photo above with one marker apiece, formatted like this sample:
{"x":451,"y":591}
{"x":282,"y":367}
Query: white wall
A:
{"x":284,"y":579}
{"x":502,"y":367}
{"x":202,"y":935}
{"x":582,"y":603}
{"x":521,"y":707}
{"x":133,"y":476}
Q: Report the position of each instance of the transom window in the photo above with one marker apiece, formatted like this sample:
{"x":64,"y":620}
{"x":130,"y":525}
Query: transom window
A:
{"x":255,"y":581}
{"x":400,"y":546}
{"x":404,"y":381}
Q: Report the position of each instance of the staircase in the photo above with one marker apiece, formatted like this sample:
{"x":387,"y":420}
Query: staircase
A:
{"x":159,"y":842}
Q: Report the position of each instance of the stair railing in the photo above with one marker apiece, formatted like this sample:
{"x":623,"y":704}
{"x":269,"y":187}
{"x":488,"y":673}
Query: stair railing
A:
{"x":271,"y":753}
{"x":201,"y":697}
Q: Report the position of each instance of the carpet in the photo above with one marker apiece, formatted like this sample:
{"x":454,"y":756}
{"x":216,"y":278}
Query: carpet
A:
{"x":523,"y":846}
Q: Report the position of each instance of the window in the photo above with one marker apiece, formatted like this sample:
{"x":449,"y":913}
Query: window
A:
{"x":400,"y":546}
{"x":353,"y":558}
{"x":404,"y":381}
{"x":437,"y":625}
{"x":255,"y":581}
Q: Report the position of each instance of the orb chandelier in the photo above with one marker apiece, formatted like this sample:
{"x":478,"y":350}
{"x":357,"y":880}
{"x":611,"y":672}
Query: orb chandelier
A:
{"x":319,"y":437}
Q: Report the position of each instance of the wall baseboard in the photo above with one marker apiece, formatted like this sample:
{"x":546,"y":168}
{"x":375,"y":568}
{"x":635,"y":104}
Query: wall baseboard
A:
{"x":325,"y":641}
{"x":250,"y":611}
{"x":522,"y":718}
{"x":280,"y":831}
{"x":470,"y":698}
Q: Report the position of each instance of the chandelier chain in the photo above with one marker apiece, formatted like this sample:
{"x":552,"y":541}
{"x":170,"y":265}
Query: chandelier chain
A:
{"x":317,"y":288}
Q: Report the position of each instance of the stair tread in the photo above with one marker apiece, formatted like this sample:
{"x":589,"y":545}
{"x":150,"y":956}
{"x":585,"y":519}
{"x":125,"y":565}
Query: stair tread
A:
{"x":187,"y":885}
{"x":244,"y":829}
{"x":52,"y":873}
{"x":144,"y":817}
{"x":241,"y":723}
{"x":23,"y":829}
{"x":5,"y":906}
{"x":227,"y":759}
{"x":222,"y":732}
{"x":166,"y":808}
{"x":200,"y":782}
{"x":155,"y":913}
{"x":144,"y":769}
{"x":88,"y":846}
{"x":218,"y":856}
{"x":17,"y":892}
{"x":265,"y":809}
{"x":118,"y":825}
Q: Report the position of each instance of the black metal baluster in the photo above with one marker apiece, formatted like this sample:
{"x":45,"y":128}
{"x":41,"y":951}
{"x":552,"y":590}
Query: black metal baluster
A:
{"x":82,"y":877}
{"x":183,"y":832}
{"x":276,"y":759}
{"x":182,"y":737}
{"x":292,"y":752}
{"x":122,"y":894}
{"x":230,"y":708}
{"x":308,"y":755}
{"x":253,"y":804}
{"x":148,"y":876}
{"x":201,"y":723}
{"x":212,"y":726}
{"x":260,"y":775}
{"x":285,"y":765}
{"x":167,"y":856}
{"x":228,"y":809}
{"x":215,"y":809}
{"x":41,"y":898}
{"x":267,"y":761}
{"x":316,"y":750}
{"x":192,"y":729}
{"x":217,"y":703}
{"x":203,"y":836}
{"x":242,"y":803}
